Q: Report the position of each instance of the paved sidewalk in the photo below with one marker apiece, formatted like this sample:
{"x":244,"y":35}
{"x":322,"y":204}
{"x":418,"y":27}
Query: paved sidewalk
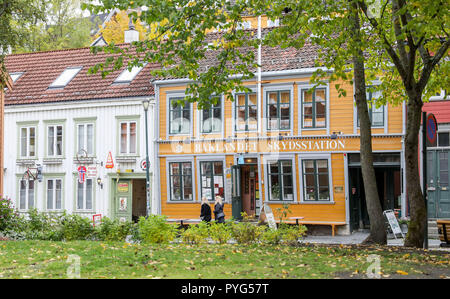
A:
{"x":358,"y":237}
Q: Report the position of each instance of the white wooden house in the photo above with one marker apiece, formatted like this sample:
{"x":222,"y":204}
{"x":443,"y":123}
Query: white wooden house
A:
{"x":61,"y":124}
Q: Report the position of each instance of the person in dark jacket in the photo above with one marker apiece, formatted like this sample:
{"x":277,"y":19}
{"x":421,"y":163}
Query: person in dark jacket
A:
{"x":205,"y":212}
{"x":219,"y":215}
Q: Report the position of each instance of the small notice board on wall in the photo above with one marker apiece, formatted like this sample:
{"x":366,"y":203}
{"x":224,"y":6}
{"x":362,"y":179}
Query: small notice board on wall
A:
{"x":393,"y":223}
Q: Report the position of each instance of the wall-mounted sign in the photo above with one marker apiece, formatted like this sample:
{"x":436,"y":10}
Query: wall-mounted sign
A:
{"x":432,"y":128}
{"x":144,"y":164}
{"x":81,"y":174}
{"x":268,"y":145}
{"x":109,"y":161}
{"x":122,"y":187}
{"x":92,"y":171}
{"x":338,"y":189}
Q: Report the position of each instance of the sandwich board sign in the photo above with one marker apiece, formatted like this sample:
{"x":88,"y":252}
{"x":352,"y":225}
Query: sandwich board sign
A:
{"x":269,"y":216}
{"x":393,"y":223}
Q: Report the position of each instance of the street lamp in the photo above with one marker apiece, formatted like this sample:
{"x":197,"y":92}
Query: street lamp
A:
{"x":146,"y":103}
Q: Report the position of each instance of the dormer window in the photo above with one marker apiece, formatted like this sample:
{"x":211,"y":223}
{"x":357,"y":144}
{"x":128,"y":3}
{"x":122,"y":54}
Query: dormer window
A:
{"x":127,"y":76}
{"x":65,"y":77}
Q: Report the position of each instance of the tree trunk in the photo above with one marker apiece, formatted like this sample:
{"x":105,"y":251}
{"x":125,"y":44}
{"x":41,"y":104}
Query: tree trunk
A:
{"x":377,"y":224}
{"x":416,"y":233}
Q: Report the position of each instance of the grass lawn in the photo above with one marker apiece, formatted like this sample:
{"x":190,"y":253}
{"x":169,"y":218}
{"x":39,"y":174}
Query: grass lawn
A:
{"x":45,"y":259}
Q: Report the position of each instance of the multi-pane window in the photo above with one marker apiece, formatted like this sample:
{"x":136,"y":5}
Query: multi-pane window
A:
{"x":85,"y":194}
{"x":376,"y":114}
{"x":212,"y":182}
{"x":180,"y":181}
{"x":246,"y":112}
{"x":278,"y":110}
{"x":128,"y":137}
{"x":26,"y":194}
{"x":55,"y":140}
{"x":281,"y":183}
{"x":444,"y":139}
{"x":316,"y":180}
{"x":314,"y":108}
{"x":85,"y":138}
{"x":179,"y":116}
{"x":27,"y":142}
{"x":211,"y":120}
{"x":54,"y":194}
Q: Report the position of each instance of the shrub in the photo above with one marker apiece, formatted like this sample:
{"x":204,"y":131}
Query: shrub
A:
{"x":155,"y":229}
{"x":196,"y":234}
{"x":220,"y":232}
{"x":114,"y":230}
{"x":291,"y":233}
{"x":271,"y":236}
{"x":76,"y":227}
{"x":246,"y":232}
{"x":9,"y":218}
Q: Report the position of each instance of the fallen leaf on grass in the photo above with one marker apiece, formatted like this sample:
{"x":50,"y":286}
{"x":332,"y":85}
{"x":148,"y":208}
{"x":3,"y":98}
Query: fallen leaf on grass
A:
{"x":402,"y":272}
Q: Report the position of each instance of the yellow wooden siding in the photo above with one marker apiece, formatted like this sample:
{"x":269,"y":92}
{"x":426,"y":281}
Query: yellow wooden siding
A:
{"x":395,"y":119}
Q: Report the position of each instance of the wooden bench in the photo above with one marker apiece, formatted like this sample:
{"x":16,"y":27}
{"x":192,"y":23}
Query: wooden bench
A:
{"x":444,"y":232}
{"x":333,"y":224}
{"x":184,"y":221}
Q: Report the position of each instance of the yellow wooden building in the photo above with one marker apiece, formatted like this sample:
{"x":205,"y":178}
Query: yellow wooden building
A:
{"x":280,"y":144}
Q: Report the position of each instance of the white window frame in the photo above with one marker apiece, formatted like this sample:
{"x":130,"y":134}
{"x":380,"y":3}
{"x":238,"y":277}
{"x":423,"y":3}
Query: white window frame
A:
{"x":84,"y":195}
{"x":27,"y":194}
{"x":305,"y":86}
{"x":54,"y":193}
{"x":258,"y":112}
{"x":55,"y":140}
{"x":128,"y":141}
{"x":200,"y":120}
{"x":268,"y":89}
{"x":28,"y":156}
{"x":266,"y":161}
{"x":85,"y":145}
{"x":170,"y":96}
{"x":169,"y":183}
{"x":199,"y":174}
{"x":330,"y":177}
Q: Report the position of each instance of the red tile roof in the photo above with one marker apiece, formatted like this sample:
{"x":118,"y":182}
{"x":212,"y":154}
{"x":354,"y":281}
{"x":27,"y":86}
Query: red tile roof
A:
{"x":42,"y":68}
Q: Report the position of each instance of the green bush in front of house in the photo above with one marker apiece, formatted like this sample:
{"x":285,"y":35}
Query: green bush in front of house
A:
{"x":76,"y":227}
{"x":155,"y":229}
{"x":114,"y":230}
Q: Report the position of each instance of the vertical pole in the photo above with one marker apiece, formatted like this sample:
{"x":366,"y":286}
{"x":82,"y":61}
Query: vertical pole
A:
{"x":424,"y":175}
{"x":147,"y":166}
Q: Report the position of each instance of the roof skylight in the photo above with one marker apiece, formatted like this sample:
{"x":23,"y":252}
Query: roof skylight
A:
{"x":127,"y":76}
{"x":66,"y":76}
{"x":15,"y":76}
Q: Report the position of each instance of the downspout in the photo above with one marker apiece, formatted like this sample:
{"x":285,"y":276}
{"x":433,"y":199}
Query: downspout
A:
{"x":260,"y":124}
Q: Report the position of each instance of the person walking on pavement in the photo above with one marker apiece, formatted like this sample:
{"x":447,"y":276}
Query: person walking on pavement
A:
{"x":219,"y":215}
{"x":205,"y":211}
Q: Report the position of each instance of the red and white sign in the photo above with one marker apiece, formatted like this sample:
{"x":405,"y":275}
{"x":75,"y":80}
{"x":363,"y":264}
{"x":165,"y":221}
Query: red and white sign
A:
{"x":109,"y":161}
{"x":144,"y":164}
{"x":96,"y":219}
{"x":92,"y":171}
{"x":81,"y":174}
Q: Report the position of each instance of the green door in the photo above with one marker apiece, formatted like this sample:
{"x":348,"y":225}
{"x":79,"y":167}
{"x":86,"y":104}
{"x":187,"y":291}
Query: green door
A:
{"x":438,"y":184}
{"x":123,"y":204}
{"x":236,"y":202}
